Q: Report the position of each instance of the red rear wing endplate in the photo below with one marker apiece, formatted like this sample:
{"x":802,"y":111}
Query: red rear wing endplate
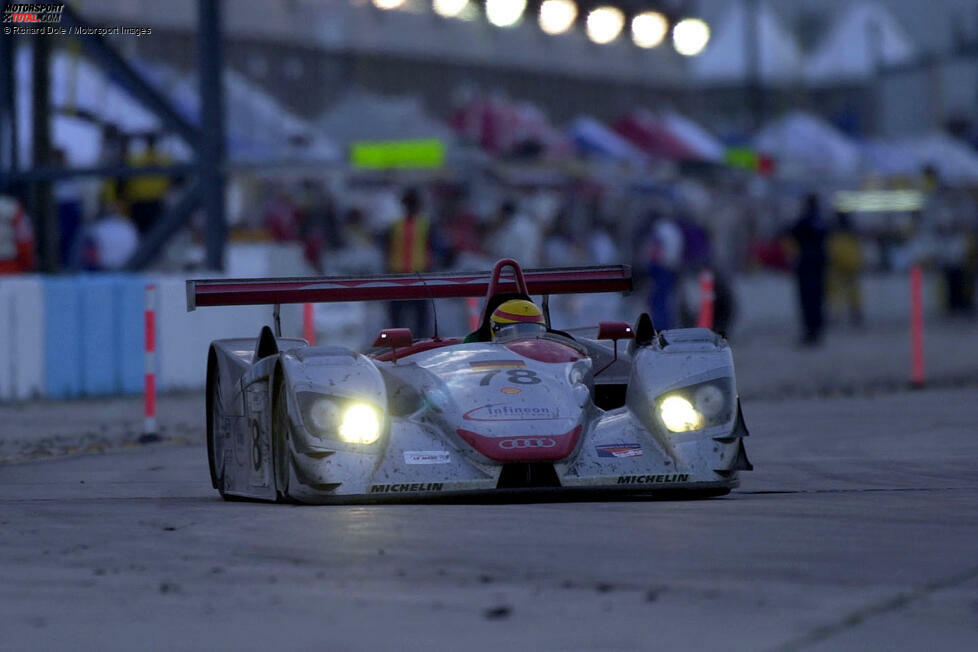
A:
{"x":397,"y":287}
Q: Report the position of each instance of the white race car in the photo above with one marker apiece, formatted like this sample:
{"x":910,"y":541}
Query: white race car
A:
{"x":629,"y":411}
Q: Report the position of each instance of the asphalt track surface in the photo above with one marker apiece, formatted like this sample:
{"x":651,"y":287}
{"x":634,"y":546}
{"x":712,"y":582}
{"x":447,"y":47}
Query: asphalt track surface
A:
{"x":858,"y":531}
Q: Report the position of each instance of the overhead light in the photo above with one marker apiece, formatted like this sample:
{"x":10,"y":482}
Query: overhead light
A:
{"x":557,"y":16}
{"x":504,"y":13}
{"x":449,"y":8}
{"x":690,"y":36}
{"x":649,"y":28}
{"x":388,"y":4}
{"x":604,"y":24}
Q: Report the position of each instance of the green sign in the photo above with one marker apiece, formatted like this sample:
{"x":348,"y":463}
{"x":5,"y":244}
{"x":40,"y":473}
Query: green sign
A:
{"x":400,"y":154}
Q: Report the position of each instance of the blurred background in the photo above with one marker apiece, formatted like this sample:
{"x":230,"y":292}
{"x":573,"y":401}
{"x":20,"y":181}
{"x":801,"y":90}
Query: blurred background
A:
{"x":807,"y":153}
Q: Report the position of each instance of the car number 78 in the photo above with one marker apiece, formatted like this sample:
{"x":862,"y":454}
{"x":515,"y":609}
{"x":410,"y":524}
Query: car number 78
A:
{"x":515,"y":376}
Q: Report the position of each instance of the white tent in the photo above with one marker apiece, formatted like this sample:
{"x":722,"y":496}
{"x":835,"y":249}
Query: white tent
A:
{"x":801,"y":142}
{"x":694,"y":135}
{"x":727,"y":57}
{"x":955,"y":161}
{"x":593,"y":137}
{"x":364,"y":116}
{"x":863,"y":39}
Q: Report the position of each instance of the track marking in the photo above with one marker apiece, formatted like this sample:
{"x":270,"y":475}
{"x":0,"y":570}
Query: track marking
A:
{"x":859,"y":616}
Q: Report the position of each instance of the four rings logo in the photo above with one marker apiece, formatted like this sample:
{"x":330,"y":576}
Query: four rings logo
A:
{"x":527,"y":442}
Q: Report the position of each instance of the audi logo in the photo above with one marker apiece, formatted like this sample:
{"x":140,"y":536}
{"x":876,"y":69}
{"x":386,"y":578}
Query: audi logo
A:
{"x":531,"y":442}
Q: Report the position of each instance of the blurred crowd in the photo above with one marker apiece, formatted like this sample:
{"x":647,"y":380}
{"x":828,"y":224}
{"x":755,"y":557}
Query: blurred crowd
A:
{"x":668,"y":227}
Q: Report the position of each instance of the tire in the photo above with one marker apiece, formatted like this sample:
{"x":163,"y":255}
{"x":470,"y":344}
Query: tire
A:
{"x":215,"y":415}
{"x":281,"y":431}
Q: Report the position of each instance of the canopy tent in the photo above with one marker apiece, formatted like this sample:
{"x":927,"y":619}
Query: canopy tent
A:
{"x":501,"y":126}
{"x":801,"y":142}
{"x":864,"y":38}
{"x":361,"y":116}
{"x":592,"y":137}
{"x":670,"y":135}
{"x":728,"y":58}
{"x":954,"y":161}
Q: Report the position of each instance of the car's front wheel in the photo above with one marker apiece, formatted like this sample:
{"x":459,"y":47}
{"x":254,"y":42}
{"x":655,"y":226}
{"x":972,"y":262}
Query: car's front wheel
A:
{"x":281,"y":433}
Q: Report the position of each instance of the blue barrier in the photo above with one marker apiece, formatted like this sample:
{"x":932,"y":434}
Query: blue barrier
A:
{"x":62,"y":344}
{"x":93,"y":335}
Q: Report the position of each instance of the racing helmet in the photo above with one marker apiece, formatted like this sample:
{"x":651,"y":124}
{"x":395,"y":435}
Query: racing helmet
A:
{"x":516,"y":317}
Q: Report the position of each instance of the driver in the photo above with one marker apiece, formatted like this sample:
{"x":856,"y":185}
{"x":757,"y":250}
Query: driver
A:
{"x":517,"y":317}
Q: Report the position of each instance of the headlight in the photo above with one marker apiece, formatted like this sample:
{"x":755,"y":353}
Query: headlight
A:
{"x":698,"y":406}
{"x":360,"y":425}
{"x":679,"y":415}
{"x":333,"y":417}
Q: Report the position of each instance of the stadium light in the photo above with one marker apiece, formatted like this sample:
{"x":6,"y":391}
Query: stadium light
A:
{"x":604,"y":24}
{"x":449,"y":8}
{"x":388,"y":4}
{"x":557,"y":16}
{"x":504,"y":13}
{"x":690,"y":36}
{"x":649,"y":28}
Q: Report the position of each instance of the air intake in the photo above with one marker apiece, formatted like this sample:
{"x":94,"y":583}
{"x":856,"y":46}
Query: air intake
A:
{"x":528,"y":475}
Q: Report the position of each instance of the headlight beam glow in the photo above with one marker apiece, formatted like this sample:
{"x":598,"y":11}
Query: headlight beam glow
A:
{"x":449,"y":8}
{"x":679,"y":415}
{"x":360,"y":425}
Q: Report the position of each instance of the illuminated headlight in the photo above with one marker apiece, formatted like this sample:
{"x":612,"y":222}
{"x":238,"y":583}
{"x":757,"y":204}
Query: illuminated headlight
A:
{"x":329,"y":417}
{"x":679,"y":415}
{"x":360,"y":425}
{"x":698,"y":406}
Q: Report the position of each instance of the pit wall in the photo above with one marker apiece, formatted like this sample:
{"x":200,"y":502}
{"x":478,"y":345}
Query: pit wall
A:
{"x":79,"y":336}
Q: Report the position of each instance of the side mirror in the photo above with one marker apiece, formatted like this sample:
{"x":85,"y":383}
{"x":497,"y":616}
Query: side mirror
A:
{"x":394,"y":338}
{"x":614,"y":331}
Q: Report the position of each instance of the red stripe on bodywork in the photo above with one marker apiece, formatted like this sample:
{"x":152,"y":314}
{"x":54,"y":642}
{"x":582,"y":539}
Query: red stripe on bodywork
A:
{"x":511,"y":449}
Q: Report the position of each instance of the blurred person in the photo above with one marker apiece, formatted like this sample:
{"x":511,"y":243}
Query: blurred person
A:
{"x":952,"y":253}
{"x":409,"y":250}
{"x":110,"y":242}
{"x":664,"y":256}
{"x":317,"y":223}
{"x":281,"y":217}
{"x":146,"y":192}
{"x":115,"y":152}
{"x":16,"y":237}
{"x":68,"y":207}
{"x":808,"y":233}
{"x":845,"y":266}
{"x":516,"y":235}
{"x":358,"y":253}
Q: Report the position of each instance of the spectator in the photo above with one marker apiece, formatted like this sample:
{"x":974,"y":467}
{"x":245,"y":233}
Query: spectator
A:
{"x":110,"y":242}
{"x":664,"y":256}
{"x":516,"y":235}
{"x":809,"y":235}
{"x":281,"y":218}
{"x":146,"y":192}
{"x":16,"y":238}
{"x":409,"y":250}
{"x":68,"y":198}
{"x":317,"y":223}
{"x":845,"y":266}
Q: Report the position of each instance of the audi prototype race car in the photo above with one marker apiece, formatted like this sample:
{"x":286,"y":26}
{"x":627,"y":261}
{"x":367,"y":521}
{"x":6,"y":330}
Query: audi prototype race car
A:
{"x":514,"y":406}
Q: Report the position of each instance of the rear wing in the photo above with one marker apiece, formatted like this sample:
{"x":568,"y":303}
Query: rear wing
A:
{"x":402,"y":287}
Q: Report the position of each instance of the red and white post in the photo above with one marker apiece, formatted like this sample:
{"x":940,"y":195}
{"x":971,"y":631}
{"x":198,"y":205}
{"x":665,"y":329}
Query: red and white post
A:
{"x":149,"y":406}
{"x":707,"y":298}
{"x":916,"y":327}
{"x":308,"y":324}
